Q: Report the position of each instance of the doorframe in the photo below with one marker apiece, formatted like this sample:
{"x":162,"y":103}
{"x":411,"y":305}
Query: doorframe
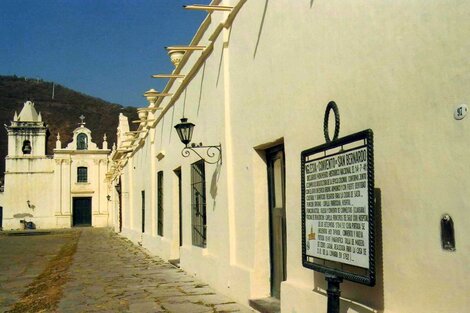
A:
{"x":179,"y":199}
{"x":119,"y":198}
{"x":270,"y":154}
{"x":91,"y":211}
{"x":177,"y":222}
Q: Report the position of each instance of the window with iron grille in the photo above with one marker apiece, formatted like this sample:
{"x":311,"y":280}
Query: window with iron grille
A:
{"x":160,"y":202}
{"x":198,"y":204}
{"x":82,"y":174}
{"x":143,"y":210}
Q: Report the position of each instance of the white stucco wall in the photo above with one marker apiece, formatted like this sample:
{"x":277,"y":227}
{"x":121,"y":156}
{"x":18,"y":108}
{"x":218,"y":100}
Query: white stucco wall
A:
{"x":37,"y":138}
{"x":28,"y":180}
{"x":397,"y":68}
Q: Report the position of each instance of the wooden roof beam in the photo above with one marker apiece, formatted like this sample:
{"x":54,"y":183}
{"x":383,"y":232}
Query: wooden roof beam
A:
{"x":209,"y":8}
{"x":149,"y":109}
{"x":185,"y":48}
{"x":143,"y":121}
{"x":168,"y":76}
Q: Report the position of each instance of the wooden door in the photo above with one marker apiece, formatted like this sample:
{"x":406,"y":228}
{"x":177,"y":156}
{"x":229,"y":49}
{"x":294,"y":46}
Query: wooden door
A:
{"x":180,"y":206}
{"x":81,"y":211}
{"x":119,"y":191}
{"x":277,"y":217}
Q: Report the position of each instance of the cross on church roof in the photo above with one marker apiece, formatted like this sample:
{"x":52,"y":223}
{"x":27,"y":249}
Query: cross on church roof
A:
{"x":82,"y":118}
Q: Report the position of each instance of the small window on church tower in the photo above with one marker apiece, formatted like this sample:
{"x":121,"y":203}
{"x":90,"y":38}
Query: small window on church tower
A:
{"x":26,"y":147}
{"x":82,"y":174}
{"x":82,"y":142}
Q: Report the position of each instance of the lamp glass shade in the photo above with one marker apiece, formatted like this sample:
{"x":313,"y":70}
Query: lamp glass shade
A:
{"x":185,"y":130}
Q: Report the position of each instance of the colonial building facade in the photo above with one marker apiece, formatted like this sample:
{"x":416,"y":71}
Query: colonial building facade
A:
{"x":256,"y":80}
{"x":61,"y":190}
{"x":252,"y":88}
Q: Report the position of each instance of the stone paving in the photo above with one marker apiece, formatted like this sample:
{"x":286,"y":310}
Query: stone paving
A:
{"x":22,"y":259}
{"x":107,"y":274}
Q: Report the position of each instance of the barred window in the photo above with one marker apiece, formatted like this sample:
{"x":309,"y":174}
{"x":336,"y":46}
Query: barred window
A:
{"x":198,"y":203}
{"x":143,"y":210}
{"x":160,"y":202}
{"x":82,"y":174}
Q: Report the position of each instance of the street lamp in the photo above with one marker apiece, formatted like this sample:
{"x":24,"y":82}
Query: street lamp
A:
{"x":185,"y":133}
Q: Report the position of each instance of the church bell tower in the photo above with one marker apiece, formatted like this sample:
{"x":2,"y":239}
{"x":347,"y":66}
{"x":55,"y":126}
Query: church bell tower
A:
{"x":27,"y":134}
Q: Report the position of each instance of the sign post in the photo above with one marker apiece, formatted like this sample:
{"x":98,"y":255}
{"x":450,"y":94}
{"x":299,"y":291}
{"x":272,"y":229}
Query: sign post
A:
{"x":338,"y":209}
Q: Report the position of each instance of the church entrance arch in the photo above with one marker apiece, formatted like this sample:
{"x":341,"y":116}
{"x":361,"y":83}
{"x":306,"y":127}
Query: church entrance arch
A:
{"x":81,"y":211}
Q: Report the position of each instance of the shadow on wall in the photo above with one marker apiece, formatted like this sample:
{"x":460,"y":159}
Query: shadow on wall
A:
{"x":357,"y":297}
{"x":173,"y":118}
{"x":201,"y":87}
{"x":261,"y":28}
{"x":224,"y":46}
{"x":214,"y":181}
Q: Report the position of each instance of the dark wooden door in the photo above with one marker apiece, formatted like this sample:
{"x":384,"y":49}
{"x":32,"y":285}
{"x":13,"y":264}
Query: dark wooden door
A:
{"x":81,"y":211}
{"x":119,"y":192}
{"x":277,"y":217}
{"x":180,"y":206}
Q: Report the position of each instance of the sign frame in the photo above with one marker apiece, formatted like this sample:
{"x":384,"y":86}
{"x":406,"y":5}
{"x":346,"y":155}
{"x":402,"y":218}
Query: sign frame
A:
{"x":343,"y":270}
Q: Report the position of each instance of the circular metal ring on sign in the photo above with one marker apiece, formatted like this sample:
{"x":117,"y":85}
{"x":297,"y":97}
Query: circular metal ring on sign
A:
{"x":331,"y":106}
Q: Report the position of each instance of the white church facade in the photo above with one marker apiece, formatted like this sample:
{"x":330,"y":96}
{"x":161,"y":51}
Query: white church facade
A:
{"x":61,"y":190}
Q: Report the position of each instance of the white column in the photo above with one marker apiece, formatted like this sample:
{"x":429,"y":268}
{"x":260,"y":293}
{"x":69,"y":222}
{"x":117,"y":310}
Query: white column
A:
{"x":98,"y":186}
{"x":152,"y":191}
{"x":66,"y":183}
{"x":130,"y":189}
{"x":104,"y":208}
{"x":58,"y":187}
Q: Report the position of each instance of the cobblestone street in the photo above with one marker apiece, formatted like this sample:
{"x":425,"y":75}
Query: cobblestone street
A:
{"x":95,"y":270}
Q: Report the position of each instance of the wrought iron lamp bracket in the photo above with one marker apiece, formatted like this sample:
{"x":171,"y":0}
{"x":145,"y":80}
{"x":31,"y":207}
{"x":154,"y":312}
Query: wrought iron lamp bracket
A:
{"x":213,"y":153}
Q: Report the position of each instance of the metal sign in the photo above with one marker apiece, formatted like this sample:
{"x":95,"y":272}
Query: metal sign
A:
{"x":338,"y":208}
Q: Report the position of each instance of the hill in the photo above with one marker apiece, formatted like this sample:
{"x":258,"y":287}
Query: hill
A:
{"x":61,"y":114}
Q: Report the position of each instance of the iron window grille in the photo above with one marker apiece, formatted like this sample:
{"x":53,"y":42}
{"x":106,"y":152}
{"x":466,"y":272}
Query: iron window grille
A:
{"x":198,"y":203}
{"x":160,"y":202}
{"x":82,"y":174}
{"x":143,"y":210}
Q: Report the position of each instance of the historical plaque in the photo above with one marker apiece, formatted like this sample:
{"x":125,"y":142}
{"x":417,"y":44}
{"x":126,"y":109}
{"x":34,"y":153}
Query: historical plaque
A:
{"x":338,"y":208}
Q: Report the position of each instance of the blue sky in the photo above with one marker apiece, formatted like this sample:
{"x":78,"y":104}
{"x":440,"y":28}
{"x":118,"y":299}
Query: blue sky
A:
{"x":104,"y":48}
